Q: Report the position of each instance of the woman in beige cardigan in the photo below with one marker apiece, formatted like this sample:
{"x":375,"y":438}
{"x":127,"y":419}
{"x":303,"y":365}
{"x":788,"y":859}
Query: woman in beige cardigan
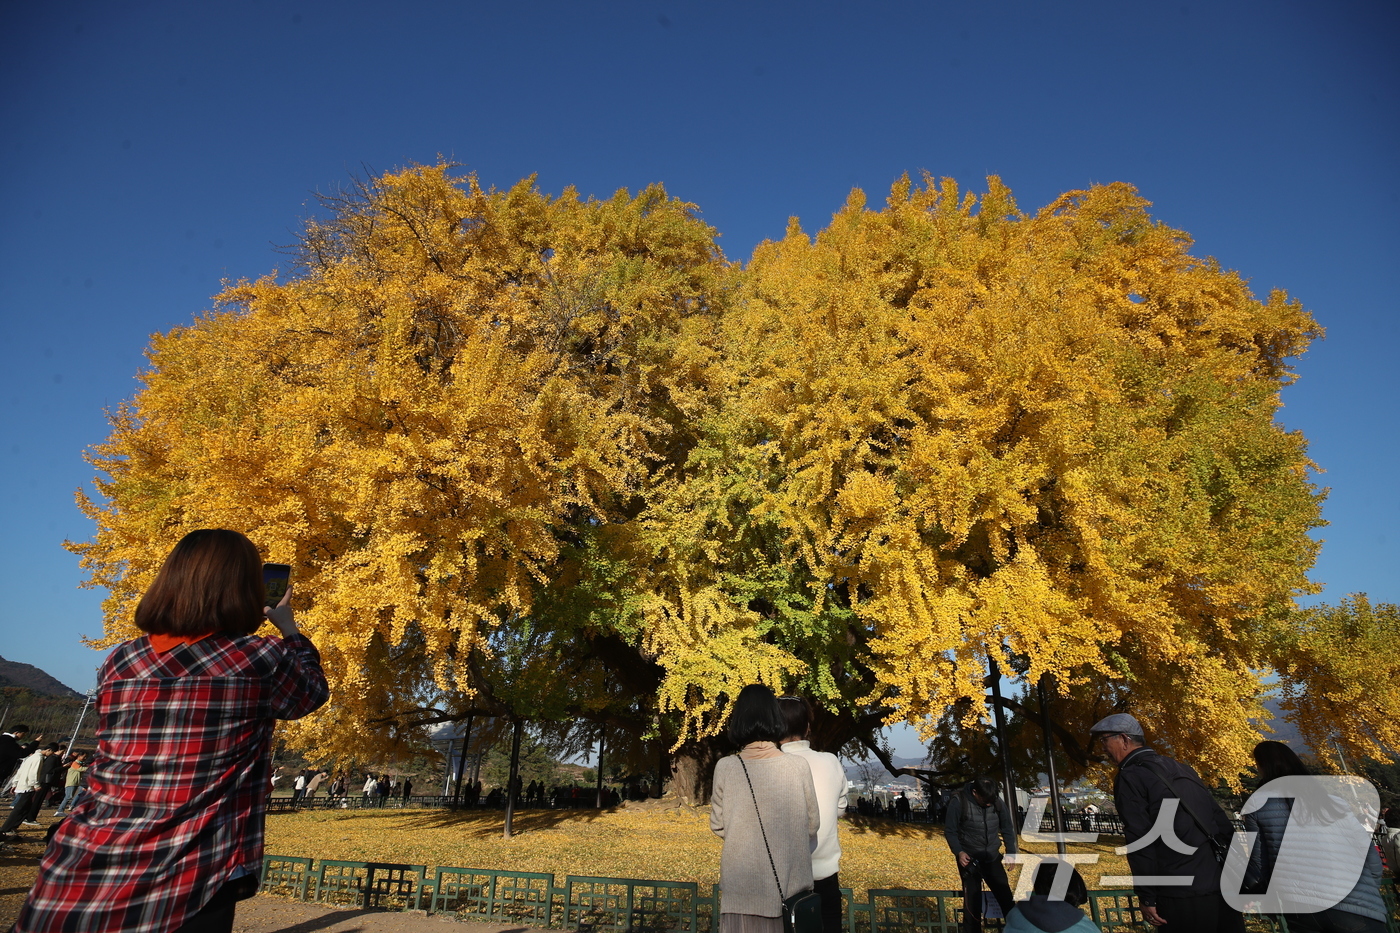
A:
{"x":761,"y":783}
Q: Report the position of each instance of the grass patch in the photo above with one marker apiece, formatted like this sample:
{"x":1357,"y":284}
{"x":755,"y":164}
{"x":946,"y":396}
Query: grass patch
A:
{"x":657,"y":844}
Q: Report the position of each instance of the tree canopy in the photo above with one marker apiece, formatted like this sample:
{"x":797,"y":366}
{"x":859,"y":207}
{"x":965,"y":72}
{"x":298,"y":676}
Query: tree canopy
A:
{"x":422,"y":421}
{"x":557,"y":458}
{"x":1049,"y":437}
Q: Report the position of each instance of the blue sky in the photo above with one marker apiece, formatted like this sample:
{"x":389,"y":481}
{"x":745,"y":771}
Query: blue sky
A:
{"x":152,"y":150}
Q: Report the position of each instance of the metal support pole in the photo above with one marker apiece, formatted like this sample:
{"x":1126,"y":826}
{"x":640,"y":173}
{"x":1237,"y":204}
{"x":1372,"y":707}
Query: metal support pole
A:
{"x":462,"y":762}
{"x":1047,"y":680}
{"x":79,"y":726}
{"x":514,"y":772}
{"x":1003,"y":745}
{"x":598,"y":804}
{"x":447,"y":771}
{"x":1341,"y":755}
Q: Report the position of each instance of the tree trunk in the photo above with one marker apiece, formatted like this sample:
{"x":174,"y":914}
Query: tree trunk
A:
{"x":693,"y":770}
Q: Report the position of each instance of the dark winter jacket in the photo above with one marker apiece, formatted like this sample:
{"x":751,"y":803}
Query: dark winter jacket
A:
{"x":51,"y":771}
{"x":1269,"y":822}
{"x":1138,"y":790}
{"x":1039,"y":914}
{"x":11,"y":751}
{"x":971,"y":827}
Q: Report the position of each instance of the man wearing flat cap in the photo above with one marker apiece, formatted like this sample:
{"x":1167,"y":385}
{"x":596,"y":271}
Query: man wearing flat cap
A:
{"x":1168,"y":816}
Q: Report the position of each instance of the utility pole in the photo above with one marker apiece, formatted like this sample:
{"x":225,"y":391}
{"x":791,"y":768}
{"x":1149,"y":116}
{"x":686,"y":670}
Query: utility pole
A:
{"x":447,"y":771}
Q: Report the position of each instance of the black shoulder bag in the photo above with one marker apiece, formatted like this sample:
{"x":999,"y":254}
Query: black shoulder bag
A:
{"x":1219,"y":843}
{"x":802,"y":912}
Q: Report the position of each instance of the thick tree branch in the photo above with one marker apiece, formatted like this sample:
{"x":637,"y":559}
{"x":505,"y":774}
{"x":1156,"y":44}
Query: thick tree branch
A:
{"x":1076,"y":752}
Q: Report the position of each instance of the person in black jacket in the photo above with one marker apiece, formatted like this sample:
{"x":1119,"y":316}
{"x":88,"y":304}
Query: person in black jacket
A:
{"x":57,"y":775}
{"x":976,"y":824}
{"x":1176,"y":876}
{"x":13,"y":748}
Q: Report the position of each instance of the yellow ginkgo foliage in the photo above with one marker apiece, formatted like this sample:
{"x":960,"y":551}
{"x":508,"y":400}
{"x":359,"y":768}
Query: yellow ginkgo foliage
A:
{"x":554,"y":457}
{"x":947,"y":429}
{"x":456,"y":381}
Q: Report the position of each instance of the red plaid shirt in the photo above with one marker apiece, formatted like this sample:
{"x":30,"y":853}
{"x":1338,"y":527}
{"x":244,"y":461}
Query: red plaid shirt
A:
{"x":178,"y":788}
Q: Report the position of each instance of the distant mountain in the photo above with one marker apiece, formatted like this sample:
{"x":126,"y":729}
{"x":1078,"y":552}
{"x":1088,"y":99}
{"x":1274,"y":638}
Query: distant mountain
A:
{"x":858,"y":770}
{"x":1284,"y":730}
{"x":19,"y":674}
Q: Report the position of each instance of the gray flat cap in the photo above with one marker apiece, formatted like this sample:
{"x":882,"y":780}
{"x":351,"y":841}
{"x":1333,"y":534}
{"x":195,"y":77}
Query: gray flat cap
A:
{"x":1118,"y":722}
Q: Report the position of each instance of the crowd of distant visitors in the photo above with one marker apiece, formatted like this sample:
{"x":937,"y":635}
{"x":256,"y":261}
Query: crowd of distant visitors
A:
{"x":39,"y":774}
{"x":377,"y":789}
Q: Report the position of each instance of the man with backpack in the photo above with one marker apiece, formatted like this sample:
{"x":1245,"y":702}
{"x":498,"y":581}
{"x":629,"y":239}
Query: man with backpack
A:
{"x":976,"y":825}
{"x":1173,"y":826}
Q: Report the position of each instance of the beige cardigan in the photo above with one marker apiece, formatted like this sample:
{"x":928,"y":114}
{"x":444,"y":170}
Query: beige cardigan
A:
{"x":787,"y":801}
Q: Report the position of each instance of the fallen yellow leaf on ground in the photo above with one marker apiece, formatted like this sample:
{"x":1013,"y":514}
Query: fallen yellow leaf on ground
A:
{"x":661,"y":845}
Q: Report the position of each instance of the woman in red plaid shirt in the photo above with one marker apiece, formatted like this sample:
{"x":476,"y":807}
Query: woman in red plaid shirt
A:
{"x":170,"y":832}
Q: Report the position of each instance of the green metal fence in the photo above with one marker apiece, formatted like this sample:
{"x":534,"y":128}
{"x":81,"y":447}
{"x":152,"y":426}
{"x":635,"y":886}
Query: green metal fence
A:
{"x":481,"y":894}
{"x":397,"y":886}
{"x":888,"y":910}
{"x":286,"y":875}
{"x":628,"y":905}
{"x":340,"y":882}
{"x":617,"y":905}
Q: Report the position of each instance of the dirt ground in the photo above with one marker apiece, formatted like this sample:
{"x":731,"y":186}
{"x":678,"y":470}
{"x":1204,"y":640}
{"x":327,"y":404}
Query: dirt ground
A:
{"x":270,"y":915}
{"x":256,"y":915}
{"x":18,"y":864}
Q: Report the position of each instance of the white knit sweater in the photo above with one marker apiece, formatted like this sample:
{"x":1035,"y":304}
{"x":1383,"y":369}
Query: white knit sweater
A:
{"x":787,"y":803}
{"x":829,"y":779}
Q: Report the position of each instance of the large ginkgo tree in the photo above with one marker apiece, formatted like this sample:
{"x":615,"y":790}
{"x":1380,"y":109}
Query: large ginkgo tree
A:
{"x":557,"y":459}
{"x":945,"y":431}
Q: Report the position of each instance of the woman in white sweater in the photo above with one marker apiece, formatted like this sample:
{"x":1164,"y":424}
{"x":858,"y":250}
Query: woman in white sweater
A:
{"x":764,"y":806}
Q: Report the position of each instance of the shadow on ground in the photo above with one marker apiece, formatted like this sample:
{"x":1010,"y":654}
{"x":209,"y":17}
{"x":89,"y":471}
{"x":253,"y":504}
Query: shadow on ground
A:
{"x":877,"y":826}
{"x":482,"y":823}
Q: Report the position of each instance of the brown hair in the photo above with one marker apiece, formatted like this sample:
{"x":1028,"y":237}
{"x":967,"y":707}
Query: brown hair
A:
{"x":756,"y":717}
{"x":1275,"y":760}
{"x":211,"y":582}
{"x":797,"y":713}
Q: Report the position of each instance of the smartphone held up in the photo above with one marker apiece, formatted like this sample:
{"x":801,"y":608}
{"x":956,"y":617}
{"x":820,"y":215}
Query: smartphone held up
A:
{"x":275,"y":579}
